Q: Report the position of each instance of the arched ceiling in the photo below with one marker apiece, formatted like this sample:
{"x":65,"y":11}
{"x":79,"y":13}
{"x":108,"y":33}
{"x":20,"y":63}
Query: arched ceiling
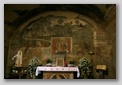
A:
{"x":18,"y":14}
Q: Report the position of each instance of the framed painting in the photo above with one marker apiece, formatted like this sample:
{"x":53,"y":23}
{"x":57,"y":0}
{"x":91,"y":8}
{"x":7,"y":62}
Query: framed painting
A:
{"x":60,"y":61}
{"x":61,"y":44}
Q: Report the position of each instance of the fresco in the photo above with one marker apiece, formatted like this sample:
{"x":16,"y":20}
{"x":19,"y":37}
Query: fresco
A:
{"x":58,"y":35}
{"x":40,"y":35}
{"x":51,"y":34}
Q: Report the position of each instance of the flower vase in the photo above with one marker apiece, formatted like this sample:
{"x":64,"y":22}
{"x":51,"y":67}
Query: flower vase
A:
{"x":70,"y":65}
{"x":49,"y":64}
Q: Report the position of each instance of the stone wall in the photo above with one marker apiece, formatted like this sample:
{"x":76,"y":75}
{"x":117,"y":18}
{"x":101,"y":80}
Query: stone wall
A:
{"x":35,"y":39}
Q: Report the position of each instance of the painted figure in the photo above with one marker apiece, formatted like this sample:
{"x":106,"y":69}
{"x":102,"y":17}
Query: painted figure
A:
{"x":62,"y":46}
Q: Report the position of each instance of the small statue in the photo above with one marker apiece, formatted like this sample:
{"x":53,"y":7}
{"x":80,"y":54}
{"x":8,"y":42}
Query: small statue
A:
{"x":18,"y":56}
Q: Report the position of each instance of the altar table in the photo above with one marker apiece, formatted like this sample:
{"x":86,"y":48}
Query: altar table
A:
{"x":57,"y":72}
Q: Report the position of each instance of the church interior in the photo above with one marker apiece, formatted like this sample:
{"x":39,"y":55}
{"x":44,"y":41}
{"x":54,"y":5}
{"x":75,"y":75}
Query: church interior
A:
{"x":60,"y":41}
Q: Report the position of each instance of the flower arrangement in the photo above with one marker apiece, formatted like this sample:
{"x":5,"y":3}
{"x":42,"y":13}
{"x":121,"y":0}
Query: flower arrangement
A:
{"x":34,"y":62}
{"x":85,"y":68}
{"x":71,"y":63}
{"x":66,"y":64}
{"x":48,"y":61}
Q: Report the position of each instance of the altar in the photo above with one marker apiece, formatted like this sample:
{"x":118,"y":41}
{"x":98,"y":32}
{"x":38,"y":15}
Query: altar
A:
{"x":58,"y":72}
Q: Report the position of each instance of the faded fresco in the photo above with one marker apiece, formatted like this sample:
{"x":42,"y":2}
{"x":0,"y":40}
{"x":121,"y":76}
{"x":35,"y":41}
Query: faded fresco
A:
{"x":44,"y":35}
{"x":51,"y":34}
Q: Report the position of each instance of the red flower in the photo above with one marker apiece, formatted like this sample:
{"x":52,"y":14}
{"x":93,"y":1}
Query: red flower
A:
{"x":66,"y":64}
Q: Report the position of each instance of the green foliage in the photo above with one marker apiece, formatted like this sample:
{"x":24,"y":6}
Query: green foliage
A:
{"x":85,"y":68}
{"x":34,"y":62}
{"x":72,"y":62}
{"x":48,"y":61}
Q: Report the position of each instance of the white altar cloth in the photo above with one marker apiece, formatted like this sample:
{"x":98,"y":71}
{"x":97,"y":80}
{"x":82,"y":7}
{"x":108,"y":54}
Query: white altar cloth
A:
{"x":69,"y":69}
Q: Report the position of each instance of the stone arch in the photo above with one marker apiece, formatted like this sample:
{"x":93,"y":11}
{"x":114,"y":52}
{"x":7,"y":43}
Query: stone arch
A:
{"x":79,"y":16}
{"x":58,"y":76}
{"x":93,"y":26}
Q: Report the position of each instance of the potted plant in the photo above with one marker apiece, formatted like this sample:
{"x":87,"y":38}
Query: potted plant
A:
{"x":33,"y":63}
{"x":71,"y":63}
{"x":85,"y":68}
{"x":48,"y":62}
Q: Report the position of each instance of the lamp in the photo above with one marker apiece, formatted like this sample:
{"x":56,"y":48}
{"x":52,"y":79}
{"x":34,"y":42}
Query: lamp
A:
{"x":91,"y":53}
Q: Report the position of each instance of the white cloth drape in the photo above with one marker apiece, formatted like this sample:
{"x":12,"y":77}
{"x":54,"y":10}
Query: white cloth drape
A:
{"x":56,"y":69}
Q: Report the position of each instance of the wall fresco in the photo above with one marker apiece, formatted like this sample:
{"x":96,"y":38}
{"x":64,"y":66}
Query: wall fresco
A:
{"x":36,"y":37}
{"x":39,"y":38}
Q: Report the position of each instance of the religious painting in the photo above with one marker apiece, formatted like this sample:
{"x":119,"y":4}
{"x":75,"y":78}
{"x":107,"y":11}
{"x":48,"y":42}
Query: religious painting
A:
{"x":60,"y":61}
{"x":62,"y":33}
{"x":61,"y":44}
